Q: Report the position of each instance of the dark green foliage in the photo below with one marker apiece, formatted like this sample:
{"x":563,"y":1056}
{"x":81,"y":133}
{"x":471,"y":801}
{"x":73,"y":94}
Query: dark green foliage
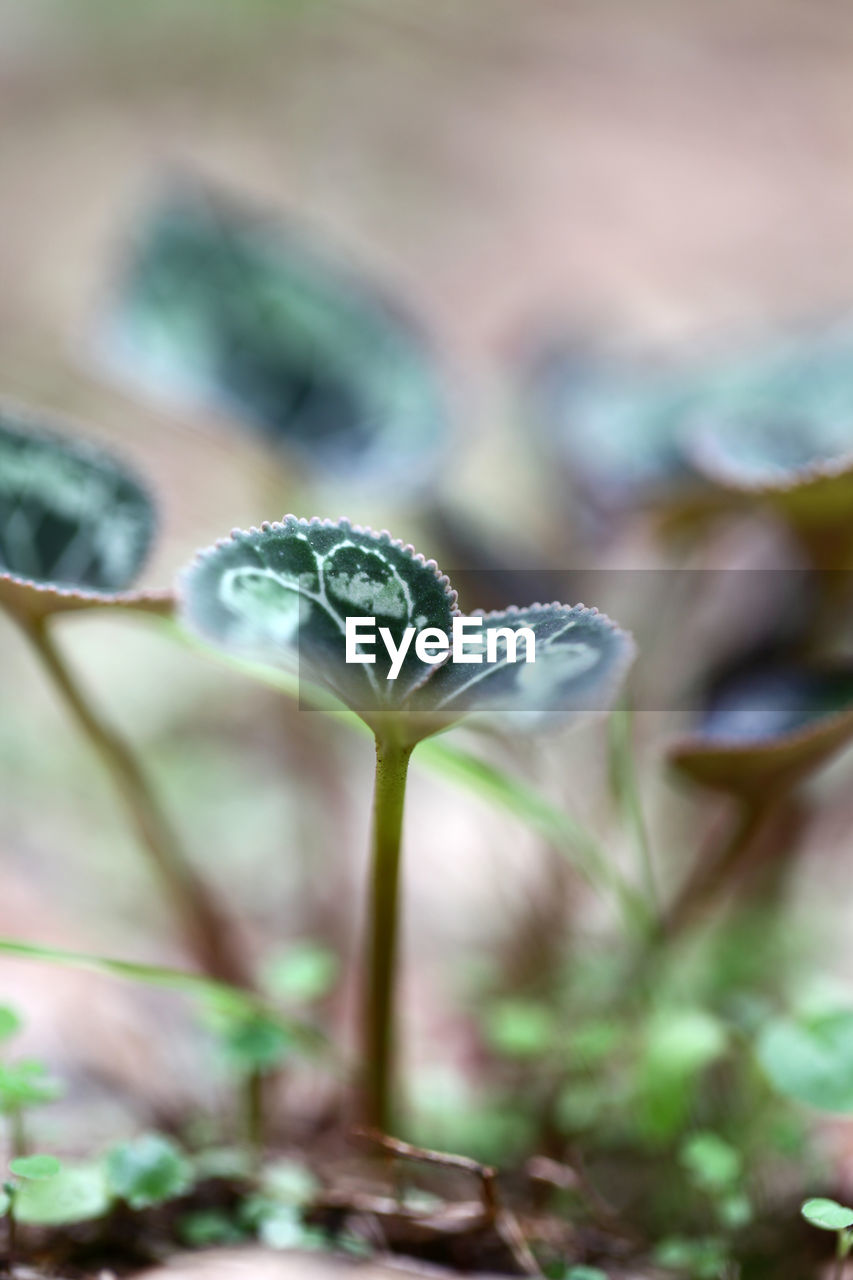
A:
{"x":280,"y":595}
{"x":70,"y":514}
{"x":634,"y":426}
{"x":148,"y":1171}
{"x":217,"y":306}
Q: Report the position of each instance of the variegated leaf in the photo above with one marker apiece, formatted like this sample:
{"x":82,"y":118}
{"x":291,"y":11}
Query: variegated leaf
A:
{"x":581,"y":658}
{"x":281,"y":595}
{"x":219,"y":307}
{"x":75,"y":524}
{"x":768,"y":729}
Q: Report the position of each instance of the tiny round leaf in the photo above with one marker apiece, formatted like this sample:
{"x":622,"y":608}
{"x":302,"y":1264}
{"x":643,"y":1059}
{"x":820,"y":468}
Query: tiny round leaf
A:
{"x":35,"y":1168}
{"x":829,"y":1215}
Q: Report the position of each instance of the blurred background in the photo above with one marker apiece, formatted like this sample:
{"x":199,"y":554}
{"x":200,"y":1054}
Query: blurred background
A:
{"x":664,"y":173}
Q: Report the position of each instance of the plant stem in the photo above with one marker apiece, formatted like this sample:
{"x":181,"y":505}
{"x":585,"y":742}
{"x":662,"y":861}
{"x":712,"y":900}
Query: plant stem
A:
{"x":392,"y":761}
{"x":255,"y":1119}
{"x":17,"y":1134}
{"x":11,"y":1232}
{"x":206,"y":932}
{"x":841,"y":1251}
{"x":715,"y":867}
{"x":627,"y":791}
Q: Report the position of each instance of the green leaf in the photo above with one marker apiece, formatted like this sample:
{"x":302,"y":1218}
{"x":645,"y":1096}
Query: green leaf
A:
{"x":584,"y":1273}
{"x":253,"y":1040}
{"x":281,"y":595}
{"x":78,"y":1193}
{"x":581,"y":660}
{"x":206,"y":1228}
{"x":702,"y":1259}
{"x":769,"y":728}
{"x":811,"y":1060}
{"x":614,"y":420}
{"x":680,"y":1044}
{"x":778,"y":434}
{"x":75,"y":524}
{"x":218,"y":307}
{"x":26,"y":1084}
{"x":480,"y":777}
{"x":712,"y":1163}
{"x":290,"y":1182}
{"x":301,"y":973}
{"x":520,"y":1029}
{"x":192,"y":984}
{"x":148,"y":1171}
{"x":780,"y":414}
{"x":827,"y":1214}
{"x":35,"y":1168}
{"x":10,"y":1022}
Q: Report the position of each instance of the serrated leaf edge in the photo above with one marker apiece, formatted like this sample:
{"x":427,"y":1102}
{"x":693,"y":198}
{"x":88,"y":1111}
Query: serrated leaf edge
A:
{"x":62,"y":431}
{"x":620,"y":667}
{"x":383,"y":538}
{"x":726,"y":474}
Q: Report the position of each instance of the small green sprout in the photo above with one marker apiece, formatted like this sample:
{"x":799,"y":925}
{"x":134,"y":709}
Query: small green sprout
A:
{"x":828,"y":1215}
{"x":10,"y":1022}
{"x":75,"y":529}
{"x":764,"y":734}
{"x":715,"y":1168}
{"x":24,"y":1169}
{"x":23,"y":1084}
{"x":285,"y":595}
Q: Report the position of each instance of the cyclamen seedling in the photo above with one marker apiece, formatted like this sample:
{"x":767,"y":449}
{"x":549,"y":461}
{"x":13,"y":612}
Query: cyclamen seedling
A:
{"x":828,"y":1215}
{"x":282,"y":594}
{"x":75,"y":529}
{"x":764,"y":734}
{"x":217,"y":305}
{"x":37,"y":1168}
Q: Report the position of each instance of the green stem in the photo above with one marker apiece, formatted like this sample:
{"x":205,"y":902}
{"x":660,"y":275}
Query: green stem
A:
{"x":392,"y":762}
{"x":842,"y":1251}
{"x":627,"y":790}
{"x":17,"y":1134}
{"x":255,"y":1103}
{"x":205,"y":928}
